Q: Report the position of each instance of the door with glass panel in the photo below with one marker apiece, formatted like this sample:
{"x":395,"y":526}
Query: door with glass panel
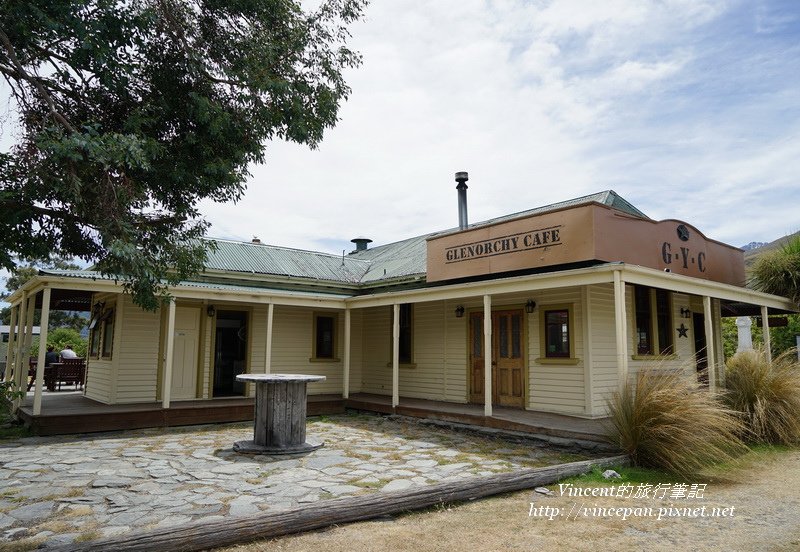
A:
{"x":508,"y":366}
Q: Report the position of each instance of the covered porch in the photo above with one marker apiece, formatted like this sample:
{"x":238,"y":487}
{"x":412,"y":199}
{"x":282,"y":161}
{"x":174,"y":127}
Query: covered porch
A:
{"x":71,"y":412}
{"x":358,"y":342}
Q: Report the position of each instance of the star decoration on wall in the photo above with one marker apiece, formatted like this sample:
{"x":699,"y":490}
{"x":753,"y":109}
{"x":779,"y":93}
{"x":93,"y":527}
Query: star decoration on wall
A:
{"x":682,"y":331}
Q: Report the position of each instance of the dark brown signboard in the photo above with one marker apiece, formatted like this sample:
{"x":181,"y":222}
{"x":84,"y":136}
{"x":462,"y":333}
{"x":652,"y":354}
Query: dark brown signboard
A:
{"x":591,"y":232}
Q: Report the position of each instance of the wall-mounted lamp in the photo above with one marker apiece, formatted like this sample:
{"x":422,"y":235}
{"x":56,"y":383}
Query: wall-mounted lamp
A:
{"x":459,"y":311}
{"x":686,"y":313}
{"x":211,"y":311}
{"x":530,"y":305}
{"x":98,"y":307}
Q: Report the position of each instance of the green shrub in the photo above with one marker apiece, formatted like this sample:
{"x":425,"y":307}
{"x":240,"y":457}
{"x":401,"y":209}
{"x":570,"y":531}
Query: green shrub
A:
{"x":60,"y":338}
{"x":767,"y":394}
{"x":668,"y":422}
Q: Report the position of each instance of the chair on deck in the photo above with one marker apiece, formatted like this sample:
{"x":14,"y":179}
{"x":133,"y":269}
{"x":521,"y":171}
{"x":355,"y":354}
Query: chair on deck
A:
{"x":72,"y":370}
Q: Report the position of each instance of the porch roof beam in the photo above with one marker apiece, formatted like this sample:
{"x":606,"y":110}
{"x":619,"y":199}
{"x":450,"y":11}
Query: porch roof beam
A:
{"x":267,"y":296}
{"x":551,"y":280}
{"x":600,"y":274}
{"x":695,"y":286}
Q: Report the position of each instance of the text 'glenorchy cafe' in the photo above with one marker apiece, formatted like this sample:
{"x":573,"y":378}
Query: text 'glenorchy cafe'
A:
{"x":522,"y":241}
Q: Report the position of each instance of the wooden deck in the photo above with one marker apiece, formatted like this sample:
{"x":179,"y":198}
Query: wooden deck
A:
{"x":71,"y":412}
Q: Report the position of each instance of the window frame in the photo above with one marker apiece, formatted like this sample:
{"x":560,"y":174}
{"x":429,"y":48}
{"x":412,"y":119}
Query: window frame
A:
{"x":409,"y":361}
{"x":107,"y":319}
{"x":315,"y":336}
{"x":544,"y":358}
{"x":653,"y":329}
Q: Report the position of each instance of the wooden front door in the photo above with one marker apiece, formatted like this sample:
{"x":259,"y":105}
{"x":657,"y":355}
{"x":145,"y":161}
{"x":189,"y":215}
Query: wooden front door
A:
{"x":184,"y":358}
{"x":508,"y":364}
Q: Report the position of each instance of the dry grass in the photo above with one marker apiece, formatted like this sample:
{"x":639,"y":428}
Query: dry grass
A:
{"x":768,"y":395}
{"x":666,"y":421}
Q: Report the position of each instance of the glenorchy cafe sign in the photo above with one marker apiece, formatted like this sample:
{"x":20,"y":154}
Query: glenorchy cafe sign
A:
{"x":502,"y":245}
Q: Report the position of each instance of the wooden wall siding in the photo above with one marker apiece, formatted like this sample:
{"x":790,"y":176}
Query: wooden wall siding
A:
{"x":439,"y":369}
{"x":376,"y":376}
{"x":356,"y":349}
{"x":456,"y":363}
{"x":100,"y":381}
{"x":136,"y":353}
{"x":684,"y":346}
{"x":604,"y":346}
{"x":426,"y":380}
{"x":207,"y":354}
{"x":257,"y":345}
{"x":604,"y":342}
{"x":556,"y":387}
{"x":292,"y":348}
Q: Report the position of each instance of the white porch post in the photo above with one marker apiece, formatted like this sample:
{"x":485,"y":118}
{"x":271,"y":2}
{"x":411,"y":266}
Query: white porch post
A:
{"x":767,"y":341}
{"x":588,"y":364}
{"x":710,"y":353}
{"x":167,"y":387}
{"x":20,"y":344}
{"x":268,"y":347}
{"x":396,"y":356}
{"x":12,"y":341}
{"x":346,"y":359}
{"x":487,"y":355}
{"x":620,"y":319}
{"x":25,"y":347}
{"x":37,"y":391}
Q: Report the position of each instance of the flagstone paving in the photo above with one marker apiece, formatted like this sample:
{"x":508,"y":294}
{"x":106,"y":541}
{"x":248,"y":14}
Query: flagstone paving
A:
{"x":59,"y":490}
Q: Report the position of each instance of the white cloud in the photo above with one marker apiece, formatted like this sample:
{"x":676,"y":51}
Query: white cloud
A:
{"x":679,"y":105}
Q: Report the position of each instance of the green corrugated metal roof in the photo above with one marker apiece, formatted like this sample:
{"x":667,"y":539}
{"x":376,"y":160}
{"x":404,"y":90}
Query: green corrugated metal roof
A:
{"x":399,"y":260}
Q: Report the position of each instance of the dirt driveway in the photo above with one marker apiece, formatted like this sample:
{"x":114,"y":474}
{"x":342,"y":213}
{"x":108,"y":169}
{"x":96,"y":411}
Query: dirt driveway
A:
{"x":763,"y":494}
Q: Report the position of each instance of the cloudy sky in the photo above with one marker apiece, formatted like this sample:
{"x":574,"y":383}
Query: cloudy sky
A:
{"x":689,"y":109}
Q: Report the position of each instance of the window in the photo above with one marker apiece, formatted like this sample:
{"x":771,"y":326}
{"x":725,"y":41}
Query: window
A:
{"x":101,"y":335}
{"x":324,"y":337}
{"x":108,"y":333}
{"x":406,"y":333}
{"x":556,"y":333}
{"x":653,"y":308}
{"x":94,"y":343}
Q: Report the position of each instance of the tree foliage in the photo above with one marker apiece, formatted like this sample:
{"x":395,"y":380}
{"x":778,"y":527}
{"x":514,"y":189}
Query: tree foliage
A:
{"x":21,"y":273}
{"x":132,"y":111}
{"x":60,"y":338}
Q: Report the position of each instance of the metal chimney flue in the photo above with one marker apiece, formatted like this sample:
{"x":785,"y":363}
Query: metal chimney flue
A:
{"x":461,"y":178}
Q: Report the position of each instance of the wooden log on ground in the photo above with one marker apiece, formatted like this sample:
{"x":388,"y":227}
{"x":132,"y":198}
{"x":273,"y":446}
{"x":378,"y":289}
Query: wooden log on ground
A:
{"x":202,"y":535}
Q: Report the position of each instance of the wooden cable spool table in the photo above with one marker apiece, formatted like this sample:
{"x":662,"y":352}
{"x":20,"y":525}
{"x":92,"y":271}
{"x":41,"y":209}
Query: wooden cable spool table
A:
{"x":279,"y":426}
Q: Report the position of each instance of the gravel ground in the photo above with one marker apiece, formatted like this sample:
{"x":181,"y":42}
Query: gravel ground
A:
{"x":762,"y":492}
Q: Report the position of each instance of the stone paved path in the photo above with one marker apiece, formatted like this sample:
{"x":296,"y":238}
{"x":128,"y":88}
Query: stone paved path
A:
{"x":58,"y":490}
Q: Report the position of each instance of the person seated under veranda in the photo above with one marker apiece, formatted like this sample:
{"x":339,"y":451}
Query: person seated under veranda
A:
{"x":51,"y":356}
{"x":68,"y":352}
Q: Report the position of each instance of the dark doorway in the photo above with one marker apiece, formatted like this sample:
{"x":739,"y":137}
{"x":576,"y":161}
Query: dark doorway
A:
{"x":230,"y":353}
{"x":700,"y":354}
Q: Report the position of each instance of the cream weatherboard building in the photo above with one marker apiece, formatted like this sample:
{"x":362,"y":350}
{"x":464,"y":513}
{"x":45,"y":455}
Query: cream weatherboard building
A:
{"x":546,"y":310}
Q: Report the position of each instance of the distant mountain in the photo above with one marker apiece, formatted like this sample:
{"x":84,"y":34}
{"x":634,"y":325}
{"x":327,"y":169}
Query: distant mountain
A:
{"x":751,"y":254}
{"x":753,"y":245}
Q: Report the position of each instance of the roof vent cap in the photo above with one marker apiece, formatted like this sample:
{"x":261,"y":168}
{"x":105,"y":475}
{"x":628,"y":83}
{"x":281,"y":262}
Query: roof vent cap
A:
{"x":256,"y":240}
{"x":361,"y":243}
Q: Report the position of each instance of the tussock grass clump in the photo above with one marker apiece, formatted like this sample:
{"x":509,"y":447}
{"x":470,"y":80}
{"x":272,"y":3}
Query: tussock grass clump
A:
{"x":666,"y":421}
{"x":767,"y":394}
{"x":778,"y":271}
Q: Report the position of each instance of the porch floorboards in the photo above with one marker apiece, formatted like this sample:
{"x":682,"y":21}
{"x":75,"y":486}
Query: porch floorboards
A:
{"x":511,"y":419}
{"x":71,"y":412}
